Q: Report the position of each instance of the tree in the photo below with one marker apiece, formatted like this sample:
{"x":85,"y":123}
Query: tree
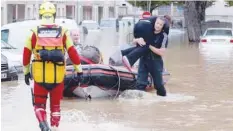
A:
{"x":194,"y":14}
{"x":145,"y":5}
{"x":229,"y":3}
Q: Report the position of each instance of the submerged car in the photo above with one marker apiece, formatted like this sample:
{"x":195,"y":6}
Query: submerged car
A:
{"x":7,"y":73}
{"x":217,"y":36}
{"x":217,"y":44}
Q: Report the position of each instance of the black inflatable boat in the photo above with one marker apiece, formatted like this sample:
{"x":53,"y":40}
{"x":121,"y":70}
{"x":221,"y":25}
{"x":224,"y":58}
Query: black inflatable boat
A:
{"x":104,"y":78}
{"x":100,"y":80}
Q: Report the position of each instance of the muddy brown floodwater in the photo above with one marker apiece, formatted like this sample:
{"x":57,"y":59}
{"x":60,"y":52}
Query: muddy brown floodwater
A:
{"x":200,"y":97}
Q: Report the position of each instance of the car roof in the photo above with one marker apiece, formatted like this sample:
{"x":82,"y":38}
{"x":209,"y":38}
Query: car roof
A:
{"x":31,"y":23}
{"x":89,"y":21}
{"x":110,"y":19}
{"x":219,"y":29}
{"x":28,"y":23}
{"x":17,"y":39}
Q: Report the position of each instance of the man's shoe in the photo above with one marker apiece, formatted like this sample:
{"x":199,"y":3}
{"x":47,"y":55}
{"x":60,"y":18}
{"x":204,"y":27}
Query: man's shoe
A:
{"x":44,"y":126}
{"x":126,"y":63}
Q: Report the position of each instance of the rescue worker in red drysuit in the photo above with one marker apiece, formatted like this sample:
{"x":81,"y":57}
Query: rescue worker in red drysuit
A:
{"x":48,"y":42}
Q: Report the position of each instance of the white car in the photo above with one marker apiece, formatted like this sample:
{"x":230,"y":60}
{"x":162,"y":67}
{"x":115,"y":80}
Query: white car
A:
{"x":16,"y":33}
{"x":217,"y":44}
{"x":217,"y":36}
{"x":14,"y":57}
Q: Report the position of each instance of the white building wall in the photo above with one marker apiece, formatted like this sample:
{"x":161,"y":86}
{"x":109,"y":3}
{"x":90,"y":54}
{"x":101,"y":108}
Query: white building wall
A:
{"x":105,"y":12}
{"x":95,"y":12}
{"x":116,"y":11}
{"x":80,"y":13}
{"x":4,"y":14}
{"x":32,"y":9}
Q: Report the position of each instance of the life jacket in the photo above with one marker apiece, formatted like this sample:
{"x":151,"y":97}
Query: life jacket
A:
{"x":47,"y":72}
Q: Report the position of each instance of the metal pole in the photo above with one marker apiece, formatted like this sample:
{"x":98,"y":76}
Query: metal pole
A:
{"x":149,"y":5}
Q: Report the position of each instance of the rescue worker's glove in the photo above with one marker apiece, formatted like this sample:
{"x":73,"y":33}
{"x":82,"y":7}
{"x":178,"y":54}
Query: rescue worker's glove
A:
{"x":27,"y":77}
{"x":79,"y":75}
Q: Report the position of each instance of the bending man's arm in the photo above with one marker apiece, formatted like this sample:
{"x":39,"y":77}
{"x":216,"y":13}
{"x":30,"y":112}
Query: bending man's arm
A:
{"x":72,"y":52}
{"x":160,"y":51}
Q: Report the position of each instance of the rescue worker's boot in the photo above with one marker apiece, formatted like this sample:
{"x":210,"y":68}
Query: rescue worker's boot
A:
{"x":41,"y":117}
{"x":55,"y":116}
{"x":44,"y":126}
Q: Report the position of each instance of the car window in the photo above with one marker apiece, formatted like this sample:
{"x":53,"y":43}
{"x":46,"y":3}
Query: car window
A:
{"x":217,"y":32}
{"x":90,"y":25}
{"x":107,"y":23}
{"x":5,"y":35}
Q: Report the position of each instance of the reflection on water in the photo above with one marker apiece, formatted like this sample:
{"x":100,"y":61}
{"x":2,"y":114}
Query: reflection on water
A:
{"x":199,"y":97}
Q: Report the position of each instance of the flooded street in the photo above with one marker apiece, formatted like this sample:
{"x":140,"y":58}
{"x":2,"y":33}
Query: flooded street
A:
{"x":199,"y":97}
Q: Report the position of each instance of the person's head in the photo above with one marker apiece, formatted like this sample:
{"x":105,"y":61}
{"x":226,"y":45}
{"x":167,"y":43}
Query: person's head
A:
{"x":47,"y":13}
{"x":168,"y":18}
{"x":159,"y":23}
{"x":75,"y":35}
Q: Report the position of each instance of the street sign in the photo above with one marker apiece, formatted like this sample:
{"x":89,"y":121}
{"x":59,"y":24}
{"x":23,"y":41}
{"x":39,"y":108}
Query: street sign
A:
{"x":146,"y":14}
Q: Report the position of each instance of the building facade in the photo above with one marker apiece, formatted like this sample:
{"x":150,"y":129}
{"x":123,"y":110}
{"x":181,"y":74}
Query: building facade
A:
{"x":79,"y":10}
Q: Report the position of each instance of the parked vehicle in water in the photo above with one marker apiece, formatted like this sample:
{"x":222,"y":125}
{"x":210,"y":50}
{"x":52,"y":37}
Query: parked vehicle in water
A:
{"x":217,"y":43}
{"x":16,"y":33}
{"x":91,"y":25}
{"x":7,"y":73}
{"x":14,"y":57}
{"x":110,"y":23}
{"x":217,"y":36}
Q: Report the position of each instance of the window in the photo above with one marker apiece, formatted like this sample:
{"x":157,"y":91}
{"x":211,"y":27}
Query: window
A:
{"x":111,"y":12}
{"x":217,"y":32}
{"x":87,"y":12}
{"x":5,"y":35}
{"x":29,"y":13}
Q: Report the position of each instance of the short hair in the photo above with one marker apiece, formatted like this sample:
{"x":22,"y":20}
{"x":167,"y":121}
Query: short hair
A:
{"x":162,"y":18}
